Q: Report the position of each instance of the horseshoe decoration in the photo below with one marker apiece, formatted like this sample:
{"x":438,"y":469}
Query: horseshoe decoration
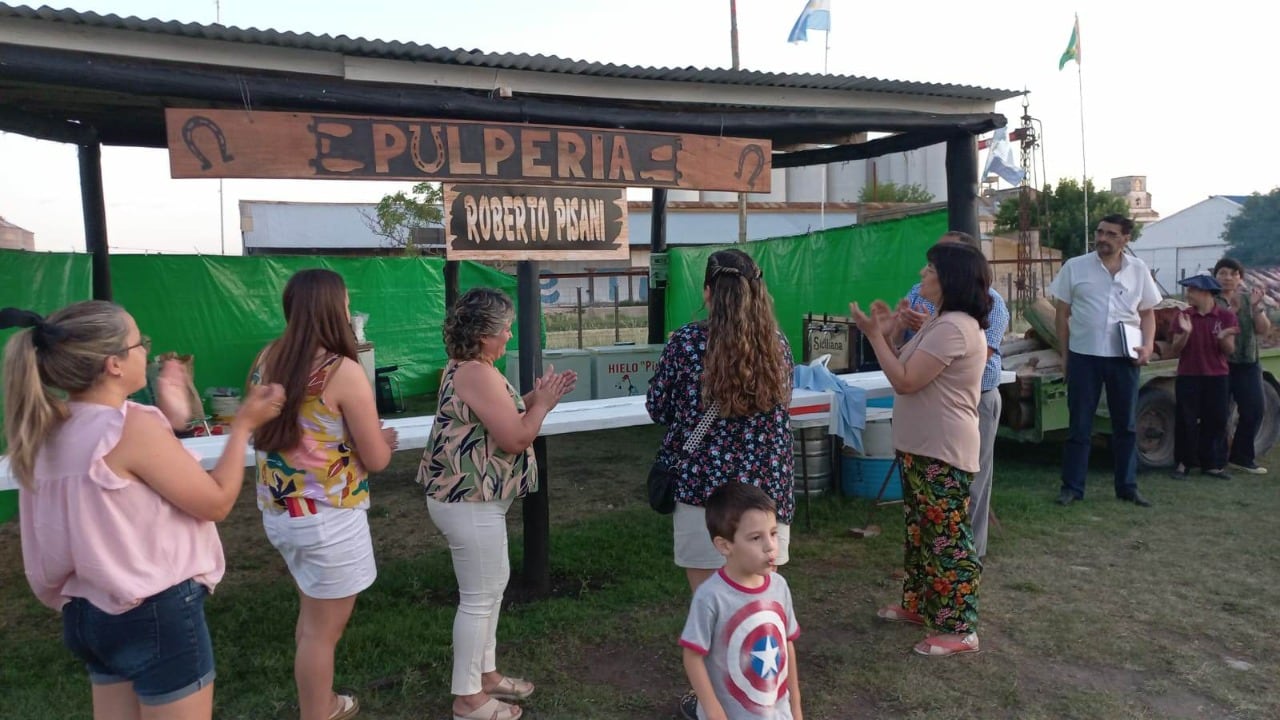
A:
{"x":430,"y":168}
{"x":752,"y":150}
{"x":195,"y":122}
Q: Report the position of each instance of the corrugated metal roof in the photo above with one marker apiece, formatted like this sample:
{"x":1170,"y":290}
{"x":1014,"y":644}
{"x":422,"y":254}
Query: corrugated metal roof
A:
{"x":395,"y":50}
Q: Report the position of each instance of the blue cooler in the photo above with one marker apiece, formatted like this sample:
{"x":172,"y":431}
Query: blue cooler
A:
{"x":862,"y":476}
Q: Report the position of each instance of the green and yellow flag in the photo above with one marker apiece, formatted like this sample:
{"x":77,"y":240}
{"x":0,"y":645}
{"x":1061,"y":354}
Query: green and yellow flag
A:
{"x":1073,"y":47}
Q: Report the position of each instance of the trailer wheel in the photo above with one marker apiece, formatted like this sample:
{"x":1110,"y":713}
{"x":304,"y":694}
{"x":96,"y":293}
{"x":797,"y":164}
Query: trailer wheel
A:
{"x":1155,"y":427}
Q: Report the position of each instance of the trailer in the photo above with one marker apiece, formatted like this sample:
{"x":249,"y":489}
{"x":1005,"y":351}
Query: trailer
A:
{"x":1036,"y":409}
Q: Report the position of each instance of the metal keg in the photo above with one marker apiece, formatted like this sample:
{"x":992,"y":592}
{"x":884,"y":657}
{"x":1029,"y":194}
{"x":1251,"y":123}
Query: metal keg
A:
{"x":812,"y":450}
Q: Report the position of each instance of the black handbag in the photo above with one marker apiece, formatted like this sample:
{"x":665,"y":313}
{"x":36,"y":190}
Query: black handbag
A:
{"x":662,"y":479}
{"x":662,"y":488}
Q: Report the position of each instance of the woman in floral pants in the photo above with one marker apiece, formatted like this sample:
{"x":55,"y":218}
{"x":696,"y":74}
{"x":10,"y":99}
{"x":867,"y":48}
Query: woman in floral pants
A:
{"x":937,"y":379}
{"x":942,"y":569}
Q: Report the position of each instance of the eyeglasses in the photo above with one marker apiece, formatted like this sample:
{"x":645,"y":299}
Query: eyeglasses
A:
{"x":144,"y":343}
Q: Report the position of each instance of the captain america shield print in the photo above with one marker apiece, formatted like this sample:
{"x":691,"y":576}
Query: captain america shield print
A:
{"x":755,"y":661}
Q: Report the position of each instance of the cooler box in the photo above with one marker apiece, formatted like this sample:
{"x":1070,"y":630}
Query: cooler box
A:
{"x":623,"y":370}
{"x":862,"y":476}
{"x":578,"y":361}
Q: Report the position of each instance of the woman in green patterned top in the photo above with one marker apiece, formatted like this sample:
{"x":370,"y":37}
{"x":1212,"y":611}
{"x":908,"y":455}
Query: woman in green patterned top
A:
{"x":1250,"y":307}
{"x":478,"y":459}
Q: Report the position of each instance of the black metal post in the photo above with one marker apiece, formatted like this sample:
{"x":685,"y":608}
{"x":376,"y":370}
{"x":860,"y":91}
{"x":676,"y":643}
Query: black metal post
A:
{"x":537,"y":508}
{"x":95,"y":218}
{"x":962,"y":184}
{"x":450,"y":283}
{"x":658,"y":289}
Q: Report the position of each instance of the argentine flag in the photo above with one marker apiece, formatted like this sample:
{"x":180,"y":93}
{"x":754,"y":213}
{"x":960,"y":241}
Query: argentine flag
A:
{"x":815,"y":16}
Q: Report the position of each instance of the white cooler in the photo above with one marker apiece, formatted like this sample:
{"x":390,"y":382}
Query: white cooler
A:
{"x":623,"y":370}
{"x":577,"y":360}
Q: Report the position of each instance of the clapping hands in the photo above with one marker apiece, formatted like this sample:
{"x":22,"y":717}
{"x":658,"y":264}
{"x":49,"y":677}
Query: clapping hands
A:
{"x":874,"y":324}
{"x":553,"y":385}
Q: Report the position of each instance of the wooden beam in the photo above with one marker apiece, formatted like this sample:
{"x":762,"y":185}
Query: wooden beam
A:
{"x":870,"y":149}
{"x":46,"y":128}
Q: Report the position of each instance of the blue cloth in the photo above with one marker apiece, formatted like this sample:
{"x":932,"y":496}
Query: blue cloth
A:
{"x":851,"y":401}
{"x":997,"y":326}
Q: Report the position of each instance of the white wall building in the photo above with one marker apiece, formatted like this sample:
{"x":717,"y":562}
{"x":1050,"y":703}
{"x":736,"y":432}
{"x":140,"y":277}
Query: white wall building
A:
{"x":1188,"y":241}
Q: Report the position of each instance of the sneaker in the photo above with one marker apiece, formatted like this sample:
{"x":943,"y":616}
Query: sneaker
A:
{"x":689,"y":706}
{"x":1219,"y":473}
{"x":1251,"y":469}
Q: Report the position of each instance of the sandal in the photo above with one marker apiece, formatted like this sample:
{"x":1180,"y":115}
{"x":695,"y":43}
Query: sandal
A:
{"x":492,"y":710}
{"x":348,"y":706}
{"x":511,"y":689}
{"x":894,"y":613}
{"x":944,"y":645}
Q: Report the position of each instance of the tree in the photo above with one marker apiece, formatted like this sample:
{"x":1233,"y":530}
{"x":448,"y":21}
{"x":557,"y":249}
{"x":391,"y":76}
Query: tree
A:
{"x":1253,"y":232}
{"x":399,"y":214}
{"x":1064,"y":225}
{"x":894,"y":193}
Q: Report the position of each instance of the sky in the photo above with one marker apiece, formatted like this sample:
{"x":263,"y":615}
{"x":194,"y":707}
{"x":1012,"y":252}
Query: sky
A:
{"x":1170,"y":94}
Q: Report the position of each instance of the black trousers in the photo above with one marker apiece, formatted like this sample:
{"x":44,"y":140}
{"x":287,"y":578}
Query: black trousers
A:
{"x":1246,"y":390}
{"x":1200,"y":435}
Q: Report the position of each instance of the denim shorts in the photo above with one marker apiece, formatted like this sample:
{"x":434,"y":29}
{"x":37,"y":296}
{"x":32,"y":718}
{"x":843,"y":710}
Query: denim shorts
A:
{"x":162,"y":646}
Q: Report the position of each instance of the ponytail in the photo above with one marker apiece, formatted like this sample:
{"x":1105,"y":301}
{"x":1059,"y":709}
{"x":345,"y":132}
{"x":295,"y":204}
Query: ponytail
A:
{"x":64,"y":352}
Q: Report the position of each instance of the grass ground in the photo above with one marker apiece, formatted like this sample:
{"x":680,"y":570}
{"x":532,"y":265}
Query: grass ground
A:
{"x":1098,"y":610}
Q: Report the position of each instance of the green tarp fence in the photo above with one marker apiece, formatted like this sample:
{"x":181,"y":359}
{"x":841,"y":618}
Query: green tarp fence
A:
{"x":820,"y":272}
{"x":41,"y":282}
{"x":224,"y":309}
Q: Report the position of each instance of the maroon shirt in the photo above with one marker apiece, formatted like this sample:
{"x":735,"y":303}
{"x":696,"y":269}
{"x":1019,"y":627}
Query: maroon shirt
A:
{"x":1202,"y":356}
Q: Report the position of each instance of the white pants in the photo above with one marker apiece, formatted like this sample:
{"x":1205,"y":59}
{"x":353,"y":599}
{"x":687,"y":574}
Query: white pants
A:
{"x":477,"y":535}
{"x":989,"y":407}
{"x":694,"y":548}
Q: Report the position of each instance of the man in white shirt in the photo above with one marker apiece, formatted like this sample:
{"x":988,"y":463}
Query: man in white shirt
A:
{"x":1095,"y":295}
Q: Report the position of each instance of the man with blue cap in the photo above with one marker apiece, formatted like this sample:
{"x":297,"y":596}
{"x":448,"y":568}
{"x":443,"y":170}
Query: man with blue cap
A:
{"x":1204,"y":336}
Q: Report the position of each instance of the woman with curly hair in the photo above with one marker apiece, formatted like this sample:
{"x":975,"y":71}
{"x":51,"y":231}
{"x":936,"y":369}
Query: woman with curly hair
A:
{"x":731,"y":372}
{"x":479,"y":458}
{"x":313,"y":476}
{"x":937,"y":384}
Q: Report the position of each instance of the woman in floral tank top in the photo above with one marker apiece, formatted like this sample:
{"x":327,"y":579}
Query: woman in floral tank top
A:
{"x":313,"y":465}
{"x":479,"y":458}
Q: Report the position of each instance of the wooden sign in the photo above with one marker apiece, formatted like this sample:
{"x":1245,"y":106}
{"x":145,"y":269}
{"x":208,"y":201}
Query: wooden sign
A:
{"x":207,"y":143}
{"x":500,"y":222}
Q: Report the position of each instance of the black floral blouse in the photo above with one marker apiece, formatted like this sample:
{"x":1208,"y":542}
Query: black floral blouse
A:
{"x":754,"y":449}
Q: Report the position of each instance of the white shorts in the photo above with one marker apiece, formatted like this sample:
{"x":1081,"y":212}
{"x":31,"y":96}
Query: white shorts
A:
{"x":329,"y":554}
{"x":693,"y":542}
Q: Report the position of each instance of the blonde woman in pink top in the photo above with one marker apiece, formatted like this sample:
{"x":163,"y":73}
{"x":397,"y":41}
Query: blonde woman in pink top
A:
{"x":117,"y":518}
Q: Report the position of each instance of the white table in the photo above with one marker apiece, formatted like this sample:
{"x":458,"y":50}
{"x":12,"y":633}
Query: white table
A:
{"x":807,"y":407}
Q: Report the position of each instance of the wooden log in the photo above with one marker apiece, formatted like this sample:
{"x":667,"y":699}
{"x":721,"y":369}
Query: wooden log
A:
{"x":1035,"y":360}
{"x":1017,"y":346}
{"x":1041,"y":316}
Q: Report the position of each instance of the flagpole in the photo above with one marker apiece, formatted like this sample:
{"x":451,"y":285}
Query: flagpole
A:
{"x":733,"y":44}
{"x":1084,"y":163}
{"x":822,"y":207}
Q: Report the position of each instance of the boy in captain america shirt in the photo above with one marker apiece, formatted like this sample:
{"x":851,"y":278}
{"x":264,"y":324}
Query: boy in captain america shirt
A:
{"x":739,"y":650}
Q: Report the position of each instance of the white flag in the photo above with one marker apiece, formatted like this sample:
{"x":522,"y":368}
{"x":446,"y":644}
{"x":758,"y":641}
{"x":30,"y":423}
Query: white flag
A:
{"x":1002,"y":161}
{"x":815,"y":16}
